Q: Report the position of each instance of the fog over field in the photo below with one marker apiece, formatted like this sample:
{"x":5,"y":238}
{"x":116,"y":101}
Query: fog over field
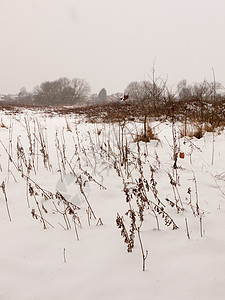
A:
{"x":110,"y":43}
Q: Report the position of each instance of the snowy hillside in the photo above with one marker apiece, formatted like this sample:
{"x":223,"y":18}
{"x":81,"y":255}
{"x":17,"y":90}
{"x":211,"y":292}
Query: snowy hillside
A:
{"x":76,"y":196}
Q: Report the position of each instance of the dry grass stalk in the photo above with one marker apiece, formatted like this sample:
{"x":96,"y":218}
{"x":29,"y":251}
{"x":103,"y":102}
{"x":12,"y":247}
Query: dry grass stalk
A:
{"x":6,"y":200}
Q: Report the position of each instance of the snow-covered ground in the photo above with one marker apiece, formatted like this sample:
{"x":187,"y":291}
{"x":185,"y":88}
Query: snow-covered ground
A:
{"x":90,"y":260}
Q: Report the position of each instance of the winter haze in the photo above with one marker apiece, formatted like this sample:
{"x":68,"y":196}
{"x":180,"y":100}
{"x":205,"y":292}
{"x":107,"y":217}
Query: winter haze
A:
{"x":110,"y":43}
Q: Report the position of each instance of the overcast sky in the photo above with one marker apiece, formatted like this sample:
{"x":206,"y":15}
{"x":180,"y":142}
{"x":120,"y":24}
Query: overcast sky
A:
{"x":110,"y":43}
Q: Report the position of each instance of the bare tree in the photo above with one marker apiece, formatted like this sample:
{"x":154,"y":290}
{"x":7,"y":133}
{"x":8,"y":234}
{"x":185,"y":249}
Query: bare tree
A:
{"x":62,"y":91}
{"x":203,"y":91}
{"x":184,"y":90}
{"x":149,"y":93}
{"x":81,"y":90}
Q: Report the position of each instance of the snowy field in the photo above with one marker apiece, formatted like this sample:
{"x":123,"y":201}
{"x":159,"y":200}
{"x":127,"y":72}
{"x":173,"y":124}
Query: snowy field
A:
{"x":64,"y":183}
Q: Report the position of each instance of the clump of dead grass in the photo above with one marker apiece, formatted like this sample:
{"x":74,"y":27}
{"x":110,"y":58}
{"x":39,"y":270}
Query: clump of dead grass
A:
{"x":196,"y":130}
{"x":147,"y":136}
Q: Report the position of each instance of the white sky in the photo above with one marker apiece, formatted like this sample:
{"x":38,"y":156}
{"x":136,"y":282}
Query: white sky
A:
{"x":110,"y":43}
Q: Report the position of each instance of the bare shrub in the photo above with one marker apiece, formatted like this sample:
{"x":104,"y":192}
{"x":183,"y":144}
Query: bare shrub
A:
{"x":193,"y":130}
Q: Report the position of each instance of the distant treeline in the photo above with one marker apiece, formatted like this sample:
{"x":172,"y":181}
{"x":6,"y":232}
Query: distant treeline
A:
{"x":64,"y":91}
{"x":58,"y":92}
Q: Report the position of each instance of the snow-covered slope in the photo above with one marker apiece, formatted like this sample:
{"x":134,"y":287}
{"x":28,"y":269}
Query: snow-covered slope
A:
{"x":41,"y":155}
